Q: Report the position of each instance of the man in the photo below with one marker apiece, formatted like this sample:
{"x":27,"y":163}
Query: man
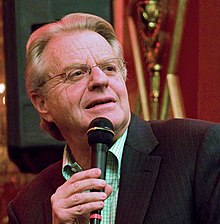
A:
{"x":157,"y":172}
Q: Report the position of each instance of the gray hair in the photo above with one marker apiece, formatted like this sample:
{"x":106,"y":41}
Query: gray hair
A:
{"x":37,"y":69}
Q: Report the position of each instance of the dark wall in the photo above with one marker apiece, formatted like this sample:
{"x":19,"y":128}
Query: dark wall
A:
{"x":29,"y":147}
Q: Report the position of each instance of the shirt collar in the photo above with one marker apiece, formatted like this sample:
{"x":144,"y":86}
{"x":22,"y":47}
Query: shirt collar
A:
{"x":117,"y":149}
{"x":70,"y":167}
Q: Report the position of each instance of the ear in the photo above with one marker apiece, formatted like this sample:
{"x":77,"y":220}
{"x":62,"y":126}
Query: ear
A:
{"x":40,"y":104}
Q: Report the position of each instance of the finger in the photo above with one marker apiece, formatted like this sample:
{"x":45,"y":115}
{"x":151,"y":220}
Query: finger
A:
{"x":108,"y":190}
{"x":82,"y":210}
{"x":86,"y":174}
{"x":87,"y":208}
{"x":84,"y":198}
{"x":85,"y":185}
{"x":79,"y":187}
{"x":79,"y":204}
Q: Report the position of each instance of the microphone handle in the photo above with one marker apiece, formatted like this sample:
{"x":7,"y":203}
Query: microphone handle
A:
{"x":99,"y":157}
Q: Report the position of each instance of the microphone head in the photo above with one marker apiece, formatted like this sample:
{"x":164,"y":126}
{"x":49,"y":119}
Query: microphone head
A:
{"x":100,"y":130}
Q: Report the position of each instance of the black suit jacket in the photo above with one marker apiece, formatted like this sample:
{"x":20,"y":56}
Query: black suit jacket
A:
{"x":170,"y":174}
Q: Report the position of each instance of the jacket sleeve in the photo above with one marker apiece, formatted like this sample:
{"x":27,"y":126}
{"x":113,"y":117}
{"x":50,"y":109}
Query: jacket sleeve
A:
{"x":207,"y":177}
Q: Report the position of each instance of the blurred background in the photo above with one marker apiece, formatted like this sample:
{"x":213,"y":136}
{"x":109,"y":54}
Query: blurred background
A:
{"x":172,"y":54}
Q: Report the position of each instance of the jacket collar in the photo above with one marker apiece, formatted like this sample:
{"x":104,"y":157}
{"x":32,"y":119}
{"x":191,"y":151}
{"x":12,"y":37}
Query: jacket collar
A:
{"x":138,"y":174}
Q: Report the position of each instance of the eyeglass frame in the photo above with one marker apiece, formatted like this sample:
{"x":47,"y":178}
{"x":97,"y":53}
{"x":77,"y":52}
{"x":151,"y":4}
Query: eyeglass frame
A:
{"x":88,"y":71}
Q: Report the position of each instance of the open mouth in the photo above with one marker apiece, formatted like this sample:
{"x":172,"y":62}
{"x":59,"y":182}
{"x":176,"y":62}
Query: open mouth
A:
{"x":94,"y":104}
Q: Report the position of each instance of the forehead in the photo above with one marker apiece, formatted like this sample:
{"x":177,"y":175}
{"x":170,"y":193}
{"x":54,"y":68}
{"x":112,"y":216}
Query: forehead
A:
{"x":83,"y":47}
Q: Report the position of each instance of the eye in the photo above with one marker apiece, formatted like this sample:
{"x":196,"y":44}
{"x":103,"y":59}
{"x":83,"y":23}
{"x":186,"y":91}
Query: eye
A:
{"x":109,"y":68}
{"x":76,"y":73}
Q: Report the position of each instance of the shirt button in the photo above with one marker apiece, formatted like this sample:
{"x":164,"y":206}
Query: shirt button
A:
{"x":74,"y":169}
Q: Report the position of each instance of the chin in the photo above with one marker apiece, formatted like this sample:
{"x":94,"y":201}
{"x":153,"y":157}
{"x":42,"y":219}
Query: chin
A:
{"x":118,"y":118}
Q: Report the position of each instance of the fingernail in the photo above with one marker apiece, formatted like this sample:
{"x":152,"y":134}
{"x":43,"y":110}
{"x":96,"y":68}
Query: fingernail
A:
{"x":104,"y":196}
{"x":102,"y":182}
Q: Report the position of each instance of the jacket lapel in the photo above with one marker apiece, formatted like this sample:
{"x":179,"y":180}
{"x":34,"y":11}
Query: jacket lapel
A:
{"x":138,"y":174}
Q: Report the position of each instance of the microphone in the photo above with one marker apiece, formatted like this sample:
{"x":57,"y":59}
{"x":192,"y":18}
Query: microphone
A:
{"x":100,"y":137}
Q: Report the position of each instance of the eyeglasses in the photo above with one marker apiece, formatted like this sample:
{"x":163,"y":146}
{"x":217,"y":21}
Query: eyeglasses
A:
{"x":77,"y":72}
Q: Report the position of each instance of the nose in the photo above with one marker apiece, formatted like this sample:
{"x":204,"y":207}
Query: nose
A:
{"x":98,"y":79}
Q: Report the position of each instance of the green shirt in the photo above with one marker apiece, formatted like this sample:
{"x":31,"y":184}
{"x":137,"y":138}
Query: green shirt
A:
{"x":113,"y":168}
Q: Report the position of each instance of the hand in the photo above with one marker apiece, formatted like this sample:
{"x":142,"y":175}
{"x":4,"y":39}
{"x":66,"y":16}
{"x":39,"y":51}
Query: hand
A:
{"x":73,"y":200}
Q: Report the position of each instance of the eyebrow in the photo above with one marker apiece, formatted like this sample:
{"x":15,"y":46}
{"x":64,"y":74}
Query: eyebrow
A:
{"x":73,"y":64}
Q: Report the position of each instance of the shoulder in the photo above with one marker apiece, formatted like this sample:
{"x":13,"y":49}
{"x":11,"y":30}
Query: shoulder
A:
{"x":41,"y":188}
{"x":34,"y":199}
{"x":184,"y":127}
{"x":191,"y":132}
{"x":47,"y":177}
{"x":173,"y":126}
{"x":183,"y":122}
{"x":195,"y":138}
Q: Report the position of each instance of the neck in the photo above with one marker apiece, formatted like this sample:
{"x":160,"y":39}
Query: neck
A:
{"x":81,"y":152}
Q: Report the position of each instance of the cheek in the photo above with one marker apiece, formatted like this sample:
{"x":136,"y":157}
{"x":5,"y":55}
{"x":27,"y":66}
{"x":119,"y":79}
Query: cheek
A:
{"x":62,"y":98}
{"x":67,"y":93}
{"x":120,"y":88}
